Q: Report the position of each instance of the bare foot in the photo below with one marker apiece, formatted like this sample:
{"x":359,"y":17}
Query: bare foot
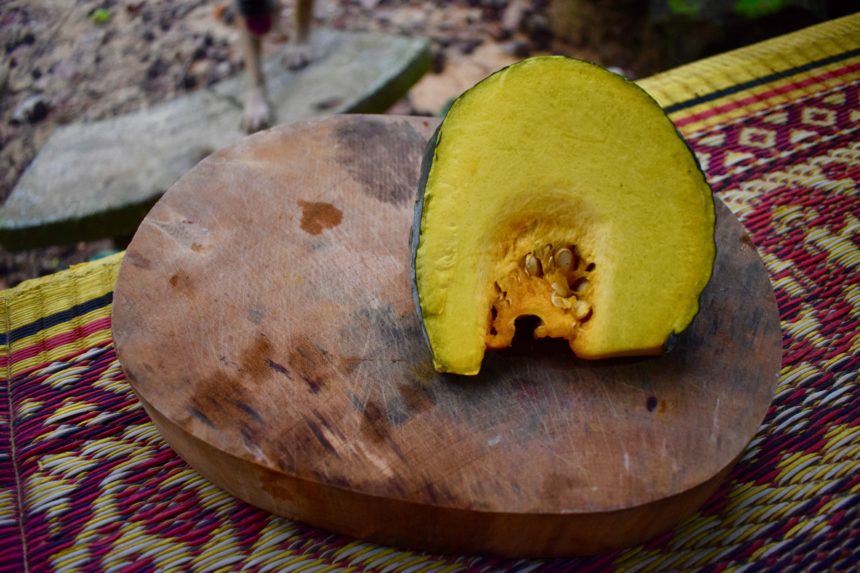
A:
{"x":258,"y":112}
{"x":297,"y":56}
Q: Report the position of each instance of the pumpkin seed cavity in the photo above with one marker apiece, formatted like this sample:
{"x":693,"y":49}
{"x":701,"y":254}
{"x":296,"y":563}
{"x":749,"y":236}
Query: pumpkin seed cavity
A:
{"x":551,"y":284}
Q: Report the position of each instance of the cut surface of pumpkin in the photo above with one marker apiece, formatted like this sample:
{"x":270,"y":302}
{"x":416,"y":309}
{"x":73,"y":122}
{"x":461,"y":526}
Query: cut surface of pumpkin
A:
{"x":557,"y":190}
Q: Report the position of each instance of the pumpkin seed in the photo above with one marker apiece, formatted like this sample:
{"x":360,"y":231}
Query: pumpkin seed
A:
{"x":533,"y":266}
{"x":582,"y":310}
{"x":564,"y":259}
{"x":581,"y":285}
{"x":545,"y":253}
{"x":560,"y":288}
{"x":561,"y":302}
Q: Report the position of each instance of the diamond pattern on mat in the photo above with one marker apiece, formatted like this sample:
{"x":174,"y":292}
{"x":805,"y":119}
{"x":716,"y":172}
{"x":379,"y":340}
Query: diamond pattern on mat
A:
{"x":778,"y":134}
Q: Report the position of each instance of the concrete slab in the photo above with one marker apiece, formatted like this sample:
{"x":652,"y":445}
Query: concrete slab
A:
{"x":99,"y":179}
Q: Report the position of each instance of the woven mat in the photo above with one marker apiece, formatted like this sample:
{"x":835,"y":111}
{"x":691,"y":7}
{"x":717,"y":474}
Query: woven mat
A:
{"x":87,"y":483}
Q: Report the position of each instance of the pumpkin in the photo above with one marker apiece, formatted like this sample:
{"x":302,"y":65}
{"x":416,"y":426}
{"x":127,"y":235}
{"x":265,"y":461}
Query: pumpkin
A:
{"x":558,"y":196}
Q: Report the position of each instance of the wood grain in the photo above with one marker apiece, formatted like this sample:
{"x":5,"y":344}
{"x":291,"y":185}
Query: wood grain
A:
{"x":264,"y":316}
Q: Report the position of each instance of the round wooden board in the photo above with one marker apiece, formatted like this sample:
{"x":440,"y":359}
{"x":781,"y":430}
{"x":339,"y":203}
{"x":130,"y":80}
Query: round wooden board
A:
{"x":264,"y":317}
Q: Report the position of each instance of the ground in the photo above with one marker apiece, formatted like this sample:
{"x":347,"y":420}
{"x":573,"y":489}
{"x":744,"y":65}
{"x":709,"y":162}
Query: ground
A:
{"x":79,"y":60}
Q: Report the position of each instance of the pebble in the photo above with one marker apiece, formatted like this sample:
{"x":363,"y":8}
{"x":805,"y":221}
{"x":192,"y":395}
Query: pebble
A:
{"x":223,"y":69}
{"x":214,"y":73}
{"x":156,"y":69}
{"x":439,"y":61}
{"x":25,"y":39}
{"x":470,"y":45}
{"x":186,"y":80}
{"x":498,"y":32}
{"x":517,"y":48}
{"x":513,"y":15}
{"x":539,"y":31}
{"x":199,"y":52}
{"x":32,"y":109}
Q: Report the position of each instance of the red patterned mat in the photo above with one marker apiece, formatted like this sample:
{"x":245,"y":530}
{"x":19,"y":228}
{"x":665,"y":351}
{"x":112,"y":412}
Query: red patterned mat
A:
{"x":86,"y":483}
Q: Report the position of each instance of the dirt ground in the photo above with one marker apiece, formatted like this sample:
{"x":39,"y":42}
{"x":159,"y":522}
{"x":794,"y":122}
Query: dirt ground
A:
{"x":83,"y":60}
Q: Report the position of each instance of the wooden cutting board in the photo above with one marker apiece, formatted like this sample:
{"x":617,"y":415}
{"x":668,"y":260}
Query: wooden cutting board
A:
{"x":264,"y":317}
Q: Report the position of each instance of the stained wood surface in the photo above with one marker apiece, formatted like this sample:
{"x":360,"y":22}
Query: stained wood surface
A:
{"x":264,"y":316}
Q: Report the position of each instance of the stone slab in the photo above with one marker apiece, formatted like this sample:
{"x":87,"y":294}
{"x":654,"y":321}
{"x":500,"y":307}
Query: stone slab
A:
{"x":99,"y":179}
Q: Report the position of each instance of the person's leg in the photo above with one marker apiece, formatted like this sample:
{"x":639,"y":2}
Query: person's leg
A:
{"x":255,"y":21}
{"x":299,"y":53}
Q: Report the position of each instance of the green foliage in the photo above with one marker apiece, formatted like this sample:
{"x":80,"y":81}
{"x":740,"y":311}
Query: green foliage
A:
{"x":747,"y":8}
{"x":758,"y":8}
{"x":101,"y":16}
{"x":686,"y":7}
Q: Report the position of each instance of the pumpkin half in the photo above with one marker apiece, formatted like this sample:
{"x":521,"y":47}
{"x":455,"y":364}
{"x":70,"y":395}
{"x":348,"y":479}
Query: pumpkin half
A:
{"x":559,"y":191}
